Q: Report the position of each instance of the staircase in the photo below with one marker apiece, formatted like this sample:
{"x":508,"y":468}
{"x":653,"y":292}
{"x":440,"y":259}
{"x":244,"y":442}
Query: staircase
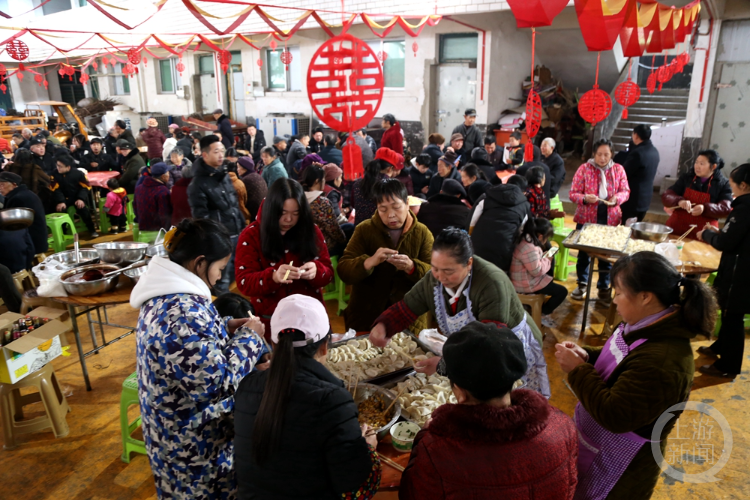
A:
{"x":651,"y":109}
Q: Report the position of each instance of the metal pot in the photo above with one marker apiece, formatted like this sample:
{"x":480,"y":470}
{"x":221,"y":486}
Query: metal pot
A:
{"x":364,"y":391}
{"x":135,"y":274}
{"x":121,"y":251}
{"x":69,"y":258}
{"x":15,"y":219}
{"x":650,"y":231}
{"x":87,"y":288}
{"x":156,"y":251}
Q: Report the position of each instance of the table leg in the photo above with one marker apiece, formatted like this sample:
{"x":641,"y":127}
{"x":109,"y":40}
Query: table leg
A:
{"x":91,"y":329}
{"x":81,"y":357}
{"x":587,"y":299}
{"x":101,"y":326}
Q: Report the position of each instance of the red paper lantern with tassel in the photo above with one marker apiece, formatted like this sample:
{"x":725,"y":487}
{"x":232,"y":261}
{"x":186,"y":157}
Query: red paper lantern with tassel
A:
{"x":595,"y":105}
{"x":259,"y":62}
{"x":61,"y":71}
{"x":46,"y":84}
{"x":105,"y":60}
{"x":382,"y":56}
{"x":84,"y":78}
{"x":415,"y":48}
{"x":286,"y":58}
{"x":38,"y":79}
{"x":663,"y":75}
{"x":95,"y":65}
{"x":273,"y":44}
{"x":651,"y":83}
{"x":145,"y":61}
{"x":225,"y":58}
{"x":134,"y":56}
{"x":3,"y":87}
{"x":70,"y":70}
{"x":180,"y":67}
{"x":627,"y":94}
{"x":17,"y":49}
{"x":533,"y":122}
{"x":19,"y":75}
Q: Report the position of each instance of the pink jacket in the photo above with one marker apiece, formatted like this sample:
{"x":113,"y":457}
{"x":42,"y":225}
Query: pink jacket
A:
{"x":586,"y":181}
{"x":114,"y":203}
{"x":528,"y":270}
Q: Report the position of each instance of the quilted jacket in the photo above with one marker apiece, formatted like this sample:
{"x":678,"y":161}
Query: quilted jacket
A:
{"x":586,"y":181}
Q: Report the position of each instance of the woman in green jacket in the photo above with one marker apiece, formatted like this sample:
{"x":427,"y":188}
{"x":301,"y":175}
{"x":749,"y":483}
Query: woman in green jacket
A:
{"x":385,"y":257}
{"x":644,"y":369}
{"x":460,"y":289}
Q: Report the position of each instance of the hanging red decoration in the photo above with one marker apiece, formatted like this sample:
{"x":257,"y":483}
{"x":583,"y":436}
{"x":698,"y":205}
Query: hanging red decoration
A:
{"x":595,"y":105}
{"x":113,"y":62}
{"x":95,"y":65}
{"x":84,"y":78}
{"x":382,"y":56}
{"x":627,"y":94}
{"x":46,"y":84}
{"x":599,"y":26}
{"x":145,"y":61}
{"x":180,"y":66}
{"x":3,"y":71}
{"x":345,"y":87}
{"x":61,"y":71}
{"x":286,"y":58}
{"x":535,"y":13}
{"x":415,"y":48}
{"x":38,"y":79}
{"x":129,"y":69}
{"x":3,"y":87}
{"x":134,"y":56}
{"x":19,"y":75}
{"x":259,"y":62}
{"x":663,"y":75}
{"x":105,"y":60}
{"x":70,"y":70}
{"x":17,"y":49}
{"x":651,"y":83}
{"x":225,"y":58}
{"x":273,"y":44}
{"x":533,"y":107}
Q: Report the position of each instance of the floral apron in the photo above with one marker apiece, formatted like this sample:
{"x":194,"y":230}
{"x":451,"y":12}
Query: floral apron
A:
{"x":603,"y":456}
{"x":536,"y":374}
{"x":681,"y":220}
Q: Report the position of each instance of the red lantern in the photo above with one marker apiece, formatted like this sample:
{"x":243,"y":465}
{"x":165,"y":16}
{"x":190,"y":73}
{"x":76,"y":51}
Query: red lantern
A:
{"x":663,"y":75}
{"x":113,"y":62}
{"x":38,"y":79}
{"x":627,"y":94}
{"x":259,"y":62}
{"x":134,"y":56}
{"x":70,"y":70}
{"x":273,"y":44}
{"x":3,"y":71}
{"x":415,"y":48}
{"x":17,"y":50}
{"x":345,"y":83}
{"x":105,"y":60}
{"x":594,"y":105}
{"x":145,"y":61}
{"x":95,"y":65}
{"x":180,"y":67}
{"x":382,"y":56}
{"x":84,"y":78}
{"x":286,"y":58}
{"x":46,"y":84}
{"x":535,"y":13}
{"x":3,"y":87}
{"x":533,"y":122}
{"x":61,"y":71}
{"x":19,"y":75}
{"x":651,"y":83}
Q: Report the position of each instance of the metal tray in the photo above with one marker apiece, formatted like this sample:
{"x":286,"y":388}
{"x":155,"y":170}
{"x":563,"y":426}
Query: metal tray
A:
{"x":390,"y":376}
{"x":572,"y":242}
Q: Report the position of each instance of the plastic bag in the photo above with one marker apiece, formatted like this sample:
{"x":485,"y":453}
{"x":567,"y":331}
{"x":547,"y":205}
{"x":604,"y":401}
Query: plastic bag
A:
{"x":338,"y":337}
{"x":48,"y":274}
{"x":670,"y":251}
{"x":433,"y":340}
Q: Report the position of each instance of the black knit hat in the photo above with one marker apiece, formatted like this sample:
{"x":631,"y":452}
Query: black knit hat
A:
{"x":453,"y":188}
{"x":484,"y":359}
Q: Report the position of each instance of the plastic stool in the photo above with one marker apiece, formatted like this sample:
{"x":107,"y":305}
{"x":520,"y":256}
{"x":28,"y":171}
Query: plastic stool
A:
{"x":563,"y":259}
{"x":556,"y":204}
{"x":80,"y":226}
{"x":145,"y":236}
{"x":129,"y":397}
{"x":24,"y":280}
{"x":535,"y":302}
{"x":130,"y":215}
{"x":12,"y":403}
{"x":104,"y":224}
{"x":55,"y":223}
{"x":337,"y":289}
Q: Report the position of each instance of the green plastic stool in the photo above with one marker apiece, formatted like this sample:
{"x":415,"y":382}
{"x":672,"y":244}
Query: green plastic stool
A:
{"x":130,"y":215}
{"x":80,"y":226}
{"x":337,"y":289}
{"x":56,"y":222}
{"x":145,"y":236}
{"x":563,"y":266}
{"x":556,"y":204}
{"x":128,"y":398}
{"x":104,"y":224}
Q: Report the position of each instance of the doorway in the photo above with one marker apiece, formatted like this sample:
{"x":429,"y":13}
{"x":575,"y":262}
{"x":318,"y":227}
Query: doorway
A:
{"x":456,"y":80}
{"x":236,"y":84}
{"x":209,"y":99}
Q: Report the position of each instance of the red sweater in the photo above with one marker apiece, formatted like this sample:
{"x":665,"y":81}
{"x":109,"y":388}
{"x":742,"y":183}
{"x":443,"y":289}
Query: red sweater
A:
{"x":524,"y":452}
{"x":253,"y":272}
{"x":393,"y":139}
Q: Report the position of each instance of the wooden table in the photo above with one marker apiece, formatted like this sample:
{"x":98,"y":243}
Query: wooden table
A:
{"x":120,"y":295}
{"x":697,"y":258}
{"x":391,"y":478}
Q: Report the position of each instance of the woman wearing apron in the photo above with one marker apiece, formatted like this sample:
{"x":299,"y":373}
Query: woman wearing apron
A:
{"x":460,"y":289}
{"x":645,"y":367}
{"x":702,"y":195}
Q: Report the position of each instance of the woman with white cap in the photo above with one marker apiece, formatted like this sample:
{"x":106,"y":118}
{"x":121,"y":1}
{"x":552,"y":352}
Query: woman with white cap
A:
{"x":296,"y":428}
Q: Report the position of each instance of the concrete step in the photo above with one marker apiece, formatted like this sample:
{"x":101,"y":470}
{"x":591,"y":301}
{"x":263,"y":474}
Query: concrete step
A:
{"x":663,"y":98}
{"x":634,"y":120}
{"x":654,"y":111}
{"x":667,"y":92}
{"x":662,"y":104}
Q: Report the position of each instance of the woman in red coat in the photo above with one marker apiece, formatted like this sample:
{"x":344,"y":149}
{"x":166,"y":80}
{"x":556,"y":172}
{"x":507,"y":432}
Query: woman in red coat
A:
{"x":392,"y":137}
{"x":154,"y":139}
{"x":283,"y":252}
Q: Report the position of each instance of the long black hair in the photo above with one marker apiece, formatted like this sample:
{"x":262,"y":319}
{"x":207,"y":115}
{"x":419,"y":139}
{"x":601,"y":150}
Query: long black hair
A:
{"x":299,"y":240}
{"x":473,"y":171}
{"x":311,"y":175}
{"x":269,"y":421}
{"x":651,"y":272}
{"x":199,"y":237}
{"x":231,"y":304}
{"x":372,"y":176}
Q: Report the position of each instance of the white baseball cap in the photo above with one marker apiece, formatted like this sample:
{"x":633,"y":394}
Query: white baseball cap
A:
{"x":303,"y":313}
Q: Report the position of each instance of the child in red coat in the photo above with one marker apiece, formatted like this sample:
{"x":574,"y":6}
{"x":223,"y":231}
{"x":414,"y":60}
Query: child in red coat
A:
{"x":115,"y":204}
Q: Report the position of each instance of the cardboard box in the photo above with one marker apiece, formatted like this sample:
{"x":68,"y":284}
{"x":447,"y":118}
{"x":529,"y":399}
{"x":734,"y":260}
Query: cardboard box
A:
{"x":31,"y":352}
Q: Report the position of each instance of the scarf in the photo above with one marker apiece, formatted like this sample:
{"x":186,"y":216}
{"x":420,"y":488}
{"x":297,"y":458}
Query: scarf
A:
{"x":602,"y":177}
{"x":454,"y":296}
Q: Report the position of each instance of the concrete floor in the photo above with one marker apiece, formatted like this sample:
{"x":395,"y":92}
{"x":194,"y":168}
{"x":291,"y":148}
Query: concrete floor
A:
{"x":86,"y":464}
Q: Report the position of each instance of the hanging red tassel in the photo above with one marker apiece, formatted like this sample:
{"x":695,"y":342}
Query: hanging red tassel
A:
{"x":528,"y":154}
{"x":625,"y":114}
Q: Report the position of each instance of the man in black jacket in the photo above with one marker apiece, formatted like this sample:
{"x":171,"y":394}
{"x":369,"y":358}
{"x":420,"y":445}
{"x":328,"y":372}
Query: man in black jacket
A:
{"x":98,"y":160}
{"x":17,"y":195}
{"x":316,"y":141}
{"x":556,"y":166}
{"x":212,"y":196}
{"x":329,"y":153}
{"x":445,"y":209}
{"x":254,"y":142}
{"x":124,"y":133}
{"x":42,"y":157}
{"x":132,"y":165}
{"x":470,"y":132}
{"x":224,"y":127}
{"x":640,"y":167}
{"x":71,"y":188}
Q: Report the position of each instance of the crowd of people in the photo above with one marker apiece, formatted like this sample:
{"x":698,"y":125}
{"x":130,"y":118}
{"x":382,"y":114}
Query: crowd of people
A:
{"x":454,"y":235}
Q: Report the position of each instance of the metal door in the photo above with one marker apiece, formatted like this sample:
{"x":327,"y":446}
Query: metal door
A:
{"x":208,"y":93}
{"x":730,"y":133}
{"x":456,"y":89}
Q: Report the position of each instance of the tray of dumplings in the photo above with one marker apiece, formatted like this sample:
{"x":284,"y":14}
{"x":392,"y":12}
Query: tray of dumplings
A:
{"x":358,"y":360}
{"x":601,"y":239}
{"x":419,"y":395}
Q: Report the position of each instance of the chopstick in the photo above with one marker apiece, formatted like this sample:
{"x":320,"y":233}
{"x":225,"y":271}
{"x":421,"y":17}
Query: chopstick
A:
{"x":356,"y":383}
{"x":394,"y":400}
{"x":692,"y":226}
{"x":288,"y":271}
{"x":391,"y":463}
{"x":672,"y":208}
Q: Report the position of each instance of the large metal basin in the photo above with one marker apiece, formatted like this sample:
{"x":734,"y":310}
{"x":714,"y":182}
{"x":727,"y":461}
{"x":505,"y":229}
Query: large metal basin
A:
{"x":88,"y":288}
{"x":650,"y":231}
{"x":15,"y":219}
{"x":121,"y":251}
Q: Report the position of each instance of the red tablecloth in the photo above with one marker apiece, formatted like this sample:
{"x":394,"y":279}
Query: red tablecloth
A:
{"x":99,"y":179}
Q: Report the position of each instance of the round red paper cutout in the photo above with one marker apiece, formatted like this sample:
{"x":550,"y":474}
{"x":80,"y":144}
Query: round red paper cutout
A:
{"x":594,"y":106}
{"x":17,"y":49}
{"x":134,"y":56}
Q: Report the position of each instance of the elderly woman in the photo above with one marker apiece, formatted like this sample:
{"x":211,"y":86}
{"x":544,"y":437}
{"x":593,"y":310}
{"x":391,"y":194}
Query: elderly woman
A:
{"x":273,"y":169}
{"x":702,"y":195}
{"x":154,"y":139}
{"x":460,"y":289}
{"x":599,"y":187}
{"x":446,"y":170}
{"x":386,"y":256}
{"x":362,"y":190}
{"x":645,"y":368}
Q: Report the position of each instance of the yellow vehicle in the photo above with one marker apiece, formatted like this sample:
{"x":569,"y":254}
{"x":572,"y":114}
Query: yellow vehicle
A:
{"x":36,"y":118}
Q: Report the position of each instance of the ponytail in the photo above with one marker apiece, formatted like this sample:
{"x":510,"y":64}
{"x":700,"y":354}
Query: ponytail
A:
{"x":269,"y":421}
{"x":372,"y":175}
{"x":653,"y":273}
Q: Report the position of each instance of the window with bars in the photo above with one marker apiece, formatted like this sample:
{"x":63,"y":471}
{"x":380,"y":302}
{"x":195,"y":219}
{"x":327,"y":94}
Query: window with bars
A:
{"x":277,"y":76}
{"x":394,"y":65}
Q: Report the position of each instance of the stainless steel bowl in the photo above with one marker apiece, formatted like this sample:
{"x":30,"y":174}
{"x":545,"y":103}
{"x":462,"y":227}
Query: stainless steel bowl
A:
{"x":156,"y":250}
{"x":69,"y":258}
{"x":121,"y":251}
{"x":364,"y":391}
{"x":14,"y":219}
{"x":650,"y":231}
{"x":135,"y":274}
{"x":87,"y":288}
